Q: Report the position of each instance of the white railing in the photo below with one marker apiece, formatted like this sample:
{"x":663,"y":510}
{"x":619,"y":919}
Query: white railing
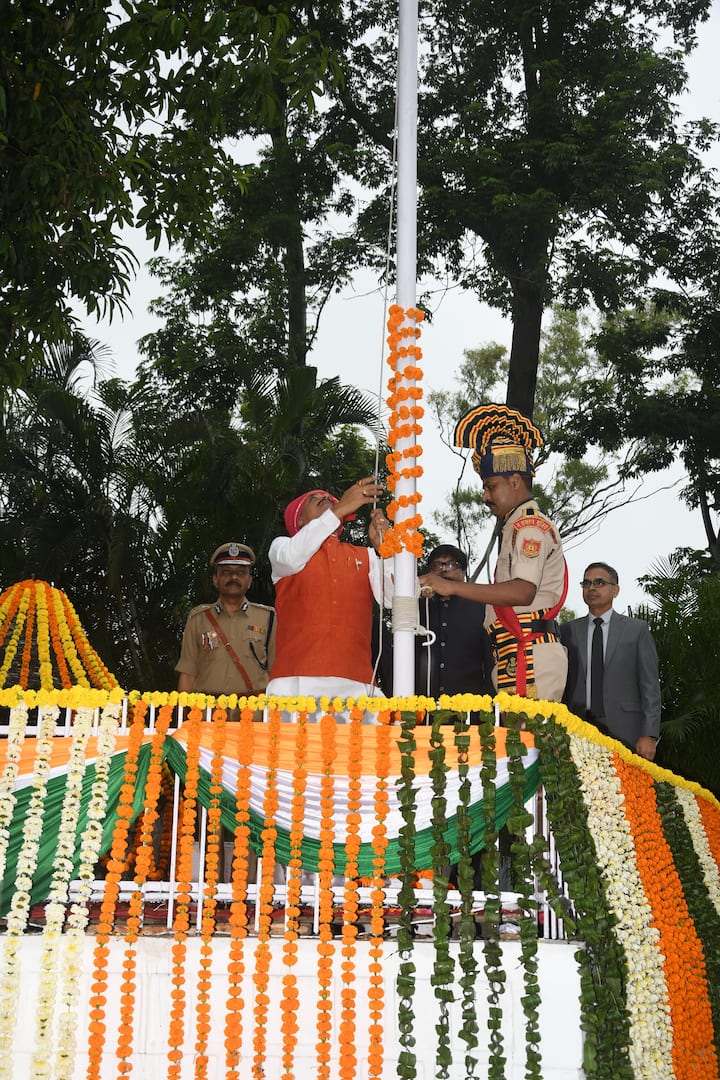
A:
{"x":163,"y":893}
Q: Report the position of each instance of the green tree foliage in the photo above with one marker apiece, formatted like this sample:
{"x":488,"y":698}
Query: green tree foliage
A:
{"x":661,"y":392}
{"x":250,"y":291}
{"x":120,"y":502}
{"x":551,"y":160}
{"x":684,"y":615}
{"x":576,"y":493}
{"x":117,"y":113}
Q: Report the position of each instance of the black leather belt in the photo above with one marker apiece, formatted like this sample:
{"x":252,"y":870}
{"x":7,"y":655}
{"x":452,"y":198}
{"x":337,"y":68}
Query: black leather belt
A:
{"x":545,"y":626}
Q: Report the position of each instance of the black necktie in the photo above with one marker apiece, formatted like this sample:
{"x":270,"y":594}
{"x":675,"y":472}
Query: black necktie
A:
{"x":597,"y":663}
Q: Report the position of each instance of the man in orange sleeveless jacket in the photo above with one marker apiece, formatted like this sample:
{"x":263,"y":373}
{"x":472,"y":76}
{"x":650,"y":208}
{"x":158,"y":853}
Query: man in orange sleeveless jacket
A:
{"x":324,"y":592}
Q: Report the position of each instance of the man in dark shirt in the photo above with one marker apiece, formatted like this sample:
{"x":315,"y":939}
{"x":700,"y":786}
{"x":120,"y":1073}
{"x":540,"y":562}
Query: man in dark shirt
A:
{"x":459,"y":658}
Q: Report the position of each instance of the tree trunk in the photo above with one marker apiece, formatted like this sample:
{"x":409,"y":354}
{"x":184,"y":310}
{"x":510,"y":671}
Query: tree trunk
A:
{"x":710,"y":531}
{"x":527,"y":316}
{"x":293,"y":256}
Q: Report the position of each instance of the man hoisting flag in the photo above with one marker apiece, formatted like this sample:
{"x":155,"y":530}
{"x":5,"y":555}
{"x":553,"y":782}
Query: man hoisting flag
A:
{"x":531,"y":576}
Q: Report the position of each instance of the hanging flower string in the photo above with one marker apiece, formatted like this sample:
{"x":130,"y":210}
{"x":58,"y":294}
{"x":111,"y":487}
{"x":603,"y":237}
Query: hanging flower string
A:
{"x":376,"y":990}
{"x":289,"y":1004}
{"x":326,"y":866}
{"x":96,"y":671}
{"x":348,"y":992}
{"x":63,"y":866}
{"x":261,"y":978}
{"x":116,"y":865}
{"x":239,"y":909}
{"x":405,"y":414}
{"x":212,"y":876}
{"x":9,"y":604}
{"x":18,"y":611}
{"x":181,"y":921}
{"x":144,"y":830}
{"x":13,"y":749}
{"x":49,"y":643}
{"x":17,"y":917}
{"x":29,"y":641}
{"x":16,"y":735}
{"x":78,"y":915}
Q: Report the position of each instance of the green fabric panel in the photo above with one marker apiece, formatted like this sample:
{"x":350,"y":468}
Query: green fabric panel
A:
{"x":55,"y":795}
{"x":310,"y":847}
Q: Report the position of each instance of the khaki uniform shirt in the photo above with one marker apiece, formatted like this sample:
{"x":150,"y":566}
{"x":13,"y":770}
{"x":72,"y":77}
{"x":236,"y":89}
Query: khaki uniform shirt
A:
{"x":530,"y":549}
{"x":204,"y":655}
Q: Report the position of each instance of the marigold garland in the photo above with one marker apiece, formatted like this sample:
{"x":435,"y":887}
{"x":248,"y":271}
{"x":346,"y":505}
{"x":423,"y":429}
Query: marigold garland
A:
{"x":96,"y":671}
{"x":692,"y":1040}
{"x":49,"y":636}
{"x":19,"y":612}
{"x":28,"y":646}
{"x":710,"y":817}
{"x":239,"y":908}
{"x":348,"y":994}
{"x":181,"y":921}
{"x":326,"y":866}
{"x":115,"y":868}
{"x":144,"y":861}
{"x":261,"y":977}
{"x":78,"y":914}
{"x":403,"y":425}
{"x":212,"y":876}
{"x":376,"y":990}
{"x":41,"y":619}
{"x":693,"y":1052}
{"x":290,"y":1000}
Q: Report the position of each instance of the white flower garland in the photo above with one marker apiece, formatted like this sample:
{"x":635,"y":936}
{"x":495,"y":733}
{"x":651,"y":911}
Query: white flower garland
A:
{"x":57,"y":896}
{"x":78,"y":915}
{"x":651,"y":1035}
{"x":8,"y":780}
{"x":696,"y":828}
{"x":20,"y":905}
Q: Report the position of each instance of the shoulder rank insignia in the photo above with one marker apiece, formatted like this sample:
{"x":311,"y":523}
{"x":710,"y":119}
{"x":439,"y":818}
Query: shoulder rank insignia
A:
{"x":536,"y":522}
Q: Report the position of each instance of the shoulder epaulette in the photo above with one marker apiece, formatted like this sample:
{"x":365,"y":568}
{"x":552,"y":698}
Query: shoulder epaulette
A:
{"x":200,"y":608}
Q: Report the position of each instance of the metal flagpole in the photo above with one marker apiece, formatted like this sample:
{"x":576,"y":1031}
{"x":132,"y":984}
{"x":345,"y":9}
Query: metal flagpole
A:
{"x":404,"y":562}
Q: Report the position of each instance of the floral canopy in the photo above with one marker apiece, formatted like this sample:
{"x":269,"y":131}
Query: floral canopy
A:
{"x":42,"y":644}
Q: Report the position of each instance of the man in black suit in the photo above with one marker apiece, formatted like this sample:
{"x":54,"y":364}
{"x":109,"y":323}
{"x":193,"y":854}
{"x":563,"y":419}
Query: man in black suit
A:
{"x":458,"y":656}
{"x":612,"y":667}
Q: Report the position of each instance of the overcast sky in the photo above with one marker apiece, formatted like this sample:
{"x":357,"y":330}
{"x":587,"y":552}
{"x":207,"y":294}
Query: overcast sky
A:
{"x":351,"y":346}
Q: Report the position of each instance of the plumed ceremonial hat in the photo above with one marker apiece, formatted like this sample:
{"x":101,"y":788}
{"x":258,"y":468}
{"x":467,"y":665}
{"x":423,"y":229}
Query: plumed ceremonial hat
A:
{"x":502,"y":440}
{"x":233,"y":554}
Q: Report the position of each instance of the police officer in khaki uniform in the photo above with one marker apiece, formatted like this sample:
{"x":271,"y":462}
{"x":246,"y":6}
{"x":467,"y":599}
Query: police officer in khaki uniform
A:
{"x":228,"y":647}
{"x":531,"y":576}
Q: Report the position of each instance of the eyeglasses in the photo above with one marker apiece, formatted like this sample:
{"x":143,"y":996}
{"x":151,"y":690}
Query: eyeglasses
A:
{"x":596,"y":582}
{"x":451,"y":564}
